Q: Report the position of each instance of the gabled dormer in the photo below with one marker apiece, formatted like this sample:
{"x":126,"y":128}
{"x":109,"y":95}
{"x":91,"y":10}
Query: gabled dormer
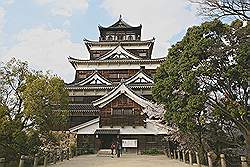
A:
{"x":121,"y":89}
{"x":94,"y":79}
{"x":140,"y":78}
{"x":118,"y":53}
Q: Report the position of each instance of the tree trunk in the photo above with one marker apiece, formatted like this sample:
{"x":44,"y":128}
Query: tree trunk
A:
{"x":202,"y":154}
{"x":248,"y":146}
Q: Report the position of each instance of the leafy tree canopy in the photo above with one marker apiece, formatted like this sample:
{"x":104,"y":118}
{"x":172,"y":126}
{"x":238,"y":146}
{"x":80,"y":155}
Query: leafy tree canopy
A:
{"x":32,"y":105}
{"x":205,"y":78}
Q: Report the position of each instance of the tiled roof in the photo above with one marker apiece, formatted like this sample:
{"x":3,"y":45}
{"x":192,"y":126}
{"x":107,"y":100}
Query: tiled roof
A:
{"x":82,"y":107}
{"x":132,"y":86}
{"x":93,"y":42}
{"x":119,"y":24}
{"x":74,"y":60}
{"x":107,"y":131}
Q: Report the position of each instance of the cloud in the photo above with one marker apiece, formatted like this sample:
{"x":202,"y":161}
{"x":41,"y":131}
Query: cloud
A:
{"x":47,"y":49}
{"x":8,"y":2}
{"x":64,"y":7}
{"x":66,"y":23}
{"x":160,"y":18}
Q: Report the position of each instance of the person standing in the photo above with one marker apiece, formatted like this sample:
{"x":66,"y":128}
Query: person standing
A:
{"x":118,"y":148}
{"x":112,"y":148}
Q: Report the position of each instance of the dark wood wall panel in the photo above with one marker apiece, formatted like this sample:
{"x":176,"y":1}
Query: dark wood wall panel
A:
{"x":122,"y":102}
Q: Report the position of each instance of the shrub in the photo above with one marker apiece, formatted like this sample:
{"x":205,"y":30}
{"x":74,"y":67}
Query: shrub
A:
{"x":153,"y":151}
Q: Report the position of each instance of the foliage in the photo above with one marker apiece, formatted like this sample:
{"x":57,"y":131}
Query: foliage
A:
{"x":203,"y":84}
{"x":152,"y":152}
{"x":85,"y":151}
{"x":32,"y":104}
{"x":222,"y":8}
{"x":73,"y":147}
{"x":155,"y":111}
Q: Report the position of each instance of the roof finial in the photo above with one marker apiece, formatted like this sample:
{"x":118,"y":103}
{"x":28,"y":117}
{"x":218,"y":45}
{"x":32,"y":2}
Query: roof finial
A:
{"x":120,"y":18}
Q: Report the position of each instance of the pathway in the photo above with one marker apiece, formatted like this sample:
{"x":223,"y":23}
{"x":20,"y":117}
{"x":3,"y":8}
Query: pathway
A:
{"x":124,"y":161}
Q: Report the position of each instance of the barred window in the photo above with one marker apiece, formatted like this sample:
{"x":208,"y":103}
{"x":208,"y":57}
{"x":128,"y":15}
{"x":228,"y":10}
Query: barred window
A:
{"x":117,"y":111}
{"x":130,"y":37}
{"x":121,"y":111}
{"x":128,"y":111}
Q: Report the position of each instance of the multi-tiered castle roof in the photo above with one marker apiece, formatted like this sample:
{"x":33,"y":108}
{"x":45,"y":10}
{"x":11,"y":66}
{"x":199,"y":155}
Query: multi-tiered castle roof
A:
{"x":120,"y":66}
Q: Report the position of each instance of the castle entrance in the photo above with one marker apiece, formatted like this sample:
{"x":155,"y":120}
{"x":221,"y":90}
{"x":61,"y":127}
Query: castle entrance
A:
{"x":107,"y":137}
{"x":107,"y":140}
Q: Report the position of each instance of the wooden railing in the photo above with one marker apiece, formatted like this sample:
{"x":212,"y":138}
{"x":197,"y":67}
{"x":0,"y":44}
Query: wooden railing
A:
{"x":48,"y":157}
{"x":192,"y":157}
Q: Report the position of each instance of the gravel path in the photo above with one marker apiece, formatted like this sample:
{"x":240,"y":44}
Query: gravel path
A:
{"x":124,"y":161}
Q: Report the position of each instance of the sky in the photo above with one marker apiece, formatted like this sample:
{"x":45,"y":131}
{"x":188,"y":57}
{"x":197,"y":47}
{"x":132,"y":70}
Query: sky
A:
{"x":46,"y":32}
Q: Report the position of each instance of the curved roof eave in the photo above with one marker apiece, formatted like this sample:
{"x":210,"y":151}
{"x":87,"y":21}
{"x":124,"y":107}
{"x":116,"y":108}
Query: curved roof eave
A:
{"x":120,"y":24}
{"x":74,"y":60}
{"x":87,"y":41}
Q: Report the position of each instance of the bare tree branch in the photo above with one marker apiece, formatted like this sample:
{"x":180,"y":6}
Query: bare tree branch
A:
{"x":224,"y":8}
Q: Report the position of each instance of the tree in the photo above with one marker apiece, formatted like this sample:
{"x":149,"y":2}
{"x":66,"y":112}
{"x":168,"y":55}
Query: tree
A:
{"x":205,"y":79}
{"x":224,"y":8}
{"x":155,"y":111}
{"x":32,"y":105}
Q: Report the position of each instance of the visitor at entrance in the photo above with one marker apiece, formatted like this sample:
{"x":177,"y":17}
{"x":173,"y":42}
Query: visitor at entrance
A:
{"x":118,"y":149}
{"x":112,"y":148}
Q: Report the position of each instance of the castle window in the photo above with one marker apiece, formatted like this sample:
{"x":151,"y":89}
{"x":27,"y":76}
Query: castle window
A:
{"x":110,"y":38}
{"x":123,"y":76}
{"x":143,"y":54}
{"x":138,"y":37}
{"x":117,"y":111}
{"x":120,"y":37}
{"x":130,"y":37}
{"x":128,"y":111}
{"x":122,"y":111}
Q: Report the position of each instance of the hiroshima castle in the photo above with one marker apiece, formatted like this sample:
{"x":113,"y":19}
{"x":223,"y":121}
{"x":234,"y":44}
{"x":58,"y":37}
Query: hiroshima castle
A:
{"x":111,"y":90}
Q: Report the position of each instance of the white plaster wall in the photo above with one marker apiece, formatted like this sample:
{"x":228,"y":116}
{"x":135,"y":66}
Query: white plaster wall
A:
{"x":150,"y":129}
{"x":117,"y":66}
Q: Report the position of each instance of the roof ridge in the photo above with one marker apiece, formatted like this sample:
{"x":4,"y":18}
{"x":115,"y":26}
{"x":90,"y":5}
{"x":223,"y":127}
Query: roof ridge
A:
{"x":90,"y":122}
{"x":119,"y":24}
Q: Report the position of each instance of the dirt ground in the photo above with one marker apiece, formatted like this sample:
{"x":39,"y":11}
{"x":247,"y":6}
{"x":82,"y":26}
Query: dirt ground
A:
{"x":124,"y":161}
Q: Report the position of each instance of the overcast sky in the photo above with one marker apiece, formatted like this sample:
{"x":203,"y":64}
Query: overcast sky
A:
{"x":46,"y":32}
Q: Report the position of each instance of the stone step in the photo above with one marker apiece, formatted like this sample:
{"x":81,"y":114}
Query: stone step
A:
{"x":104,"y":152}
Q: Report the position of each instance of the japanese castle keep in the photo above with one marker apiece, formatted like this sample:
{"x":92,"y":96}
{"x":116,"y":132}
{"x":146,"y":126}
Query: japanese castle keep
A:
{"x":112,"y":89}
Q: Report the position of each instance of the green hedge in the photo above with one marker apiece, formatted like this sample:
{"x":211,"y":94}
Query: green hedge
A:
{"x":83,"y":151}
{"x":152,"y":152}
